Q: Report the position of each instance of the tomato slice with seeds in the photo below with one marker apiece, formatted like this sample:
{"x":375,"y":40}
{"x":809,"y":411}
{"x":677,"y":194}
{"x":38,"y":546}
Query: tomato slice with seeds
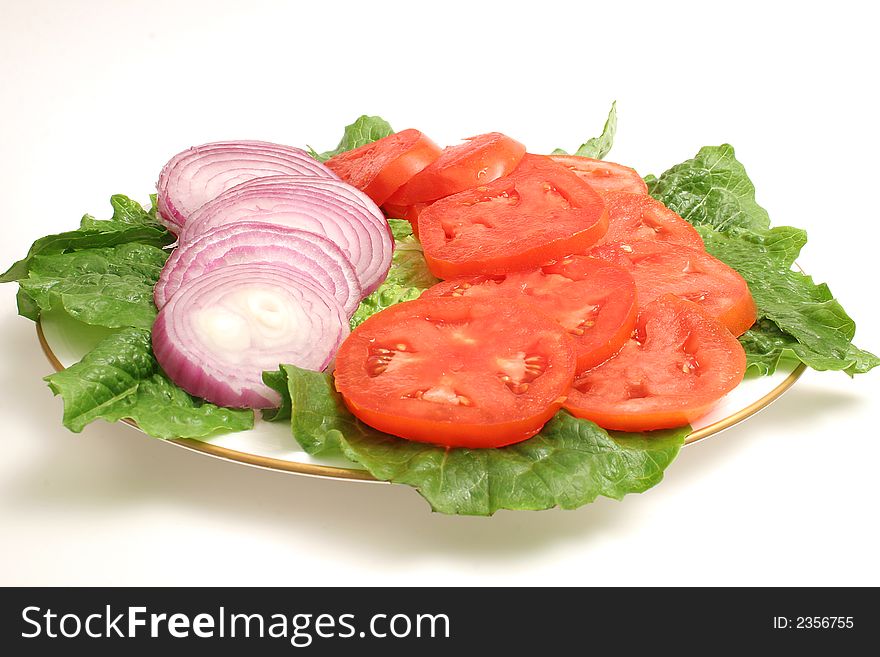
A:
{"x":676,"y":367}
{"x":478,"y":161}
{"x":603,"y":176}
{"x":667,"y":268}
{"x":380,"y":168}
{"x":593,"y":300}
{"x":539,"y":213}
{"x":456,"y":371}
{"x":639,"y":217}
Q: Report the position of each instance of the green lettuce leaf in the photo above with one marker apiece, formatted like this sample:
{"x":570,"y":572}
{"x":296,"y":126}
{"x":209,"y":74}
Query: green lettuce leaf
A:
{"x":103,"y":275}
{"x":163,"y":410}
{"x":400,"y":228}
{"x":277,"y":380}
{"x":598,"y":147}
{"x":568,"y":464}
{"x":110,"y":287}
{"x":365,"y":130}
{"x":318,"y":419}
{"x":27,"y":306}
{"x":130,"y":224}
{"x":712,"y":189}
{"x":766,"y":345}
{"x":120,"y":379}
{"x":797,"y":317}
{"x":126,"y":212}
{"x":409,"y":267}
{"x":388,"y":294}
{"x":105,"y":379}
{"x":407,"y":278}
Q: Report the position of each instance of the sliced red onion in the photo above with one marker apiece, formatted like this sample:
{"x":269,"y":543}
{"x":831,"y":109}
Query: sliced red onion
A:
{"x":250,"y":243}
{"x":315,"y":206}
{"x":200,"y":173}
{"x":219,"y":332}
{"x":339,"y":186}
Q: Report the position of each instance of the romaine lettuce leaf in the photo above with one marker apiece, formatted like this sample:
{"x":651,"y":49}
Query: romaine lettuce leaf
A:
{"x":163,"y":410}
{"x":766,"y":345}
{"x":120,"y":378}
{"x":400,"y":228}
{"x":598,"y":147}
{"x":126,"y":212}
{"x":365,"y":130}
{"x":130,"y":223}
{"x":388,"y":294}
{"x":27,"y":306}
{"x":110,"y":287}
{"x":712,"y":189}
{"x":105,"y":379}
{"x":568,"y":464}
{"x":103,"y":275}
{"x":799,"y":307}
{"x":277,"y":380}
{"x":797,"y":317}
{"x":408,"y":265}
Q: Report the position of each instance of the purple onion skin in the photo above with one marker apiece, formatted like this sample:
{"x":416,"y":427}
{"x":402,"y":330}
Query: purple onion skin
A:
{"x":231,"y":374}
{"x":181,"y":190}
{"x":323,"y":208}
{"x":339,"y":186}
{"x":250,"y":242}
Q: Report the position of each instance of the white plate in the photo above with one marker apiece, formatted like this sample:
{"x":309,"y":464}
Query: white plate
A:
{"x":270,"y":445}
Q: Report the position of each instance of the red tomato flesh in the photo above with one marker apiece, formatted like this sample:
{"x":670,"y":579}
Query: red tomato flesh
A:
{"x":593,"y":300}
{"x":408,"y":212}
{"x":456,"y":371}
{"x":478,"y":161}
{"x":539,"y":213}
{"x":678,"y":364}
{"x":667,"y":268}
{"x":639,"y":217}
{"x":603,"y":176}
{"x":380,"y":168}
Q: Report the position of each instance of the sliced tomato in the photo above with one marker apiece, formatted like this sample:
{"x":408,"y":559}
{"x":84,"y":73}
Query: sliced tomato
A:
{"x":395,"y":211}
{"x":639,"y":217}
{"x":678,"y":364}
{"x":539,"y":213}
{"x":665,"y":268}
{"x":603,"y":176}
{"x":460,"y":372}
{"x":478,"y":161}
{"x":380,"y":168}
{"x":593,"y":300}
{"x":408,"y":212}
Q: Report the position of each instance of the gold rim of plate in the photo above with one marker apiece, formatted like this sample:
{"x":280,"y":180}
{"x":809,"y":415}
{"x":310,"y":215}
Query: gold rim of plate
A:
{"x":334,"y":472}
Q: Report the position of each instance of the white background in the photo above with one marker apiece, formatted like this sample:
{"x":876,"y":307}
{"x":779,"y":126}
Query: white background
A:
{"x":96,"y":96}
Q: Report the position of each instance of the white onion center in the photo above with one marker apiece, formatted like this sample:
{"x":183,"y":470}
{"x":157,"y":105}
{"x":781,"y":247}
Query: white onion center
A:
{"x":263,"y":319}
